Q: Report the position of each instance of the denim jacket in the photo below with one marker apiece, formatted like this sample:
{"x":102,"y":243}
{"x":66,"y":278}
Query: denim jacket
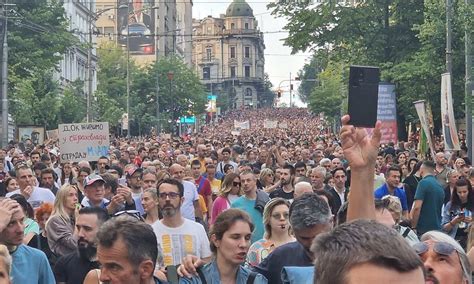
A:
{"x":448,"y":215}
{"x":211,"y":273}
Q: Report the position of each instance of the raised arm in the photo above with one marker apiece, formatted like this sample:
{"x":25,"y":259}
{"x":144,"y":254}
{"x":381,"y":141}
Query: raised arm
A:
{"x":360,"y":150}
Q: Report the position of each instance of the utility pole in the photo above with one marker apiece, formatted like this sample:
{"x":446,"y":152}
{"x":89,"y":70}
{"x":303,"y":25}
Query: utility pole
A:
{"x":468,"y":85}
{"x":449,"y":50}
{"x":89,"y":64}
{"x":291,"y":89}
{"x":158,"y":125}
{"x":5,"y":78}
{"x":128,"y":69}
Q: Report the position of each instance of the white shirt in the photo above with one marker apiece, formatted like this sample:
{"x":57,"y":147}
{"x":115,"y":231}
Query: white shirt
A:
{"x":190,"y":195}
{"x":188,"y":239}
{"x":39,"y":196}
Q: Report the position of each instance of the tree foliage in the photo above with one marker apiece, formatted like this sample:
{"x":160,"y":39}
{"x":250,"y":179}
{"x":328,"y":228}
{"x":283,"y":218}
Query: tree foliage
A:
{"x":183,"y":95}
{"x":406,"y":38}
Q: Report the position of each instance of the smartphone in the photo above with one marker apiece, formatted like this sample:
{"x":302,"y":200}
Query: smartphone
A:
{"x":172,"y":274}
{"x":363,"y":95}
{"x":461,"y":214}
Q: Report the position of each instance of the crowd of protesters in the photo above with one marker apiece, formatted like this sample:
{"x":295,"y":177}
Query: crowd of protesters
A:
{"x":288,"y":203}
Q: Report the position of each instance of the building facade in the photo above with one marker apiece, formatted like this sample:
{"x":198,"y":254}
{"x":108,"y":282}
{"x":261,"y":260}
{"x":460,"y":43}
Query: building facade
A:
{"x":228,"y":56}
{"x":151,"y":24}
{"x":184,"y":28}
{"x":74,"y":65}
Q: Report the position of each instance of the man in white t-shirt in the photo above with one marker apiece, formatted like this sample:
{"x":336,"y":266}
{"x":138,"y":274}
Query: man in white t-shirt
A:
{"x":27,"y":187}
{"x":190,"y":206}
{"x":178,"y":236}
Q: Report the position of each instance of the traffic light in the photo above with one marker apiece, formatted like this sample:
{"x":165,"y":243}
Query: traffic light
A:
{"x":291,"y":87}
{"x":279,"y":93}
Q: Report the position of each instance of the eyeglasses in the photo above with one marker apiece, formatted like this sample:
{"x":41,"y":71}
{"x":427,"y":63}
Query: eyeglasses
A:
{"x":171,"y":195}
{"x":132,"y":213}
{"x":442,"y":248}
{"x":236,"y":183}
{"x":278,"y":216}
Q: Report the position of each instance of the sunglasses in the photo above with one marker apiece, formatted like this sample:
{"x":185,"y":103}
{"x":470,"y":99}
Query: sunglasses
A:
{"x":132,"y":213}
{"x":279,"y":216}
{"x":170,"y":195}
{"x":442,"y":248}
{"x":236,"y":183}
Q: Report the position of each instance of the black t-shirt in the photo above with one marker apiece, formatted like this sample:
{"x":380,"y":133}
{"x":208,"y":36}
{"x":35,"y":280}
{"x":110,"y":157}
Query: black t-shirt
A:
{"x":72,"y":269}
{"x":281,"y":193}
{"x":291,"y":254}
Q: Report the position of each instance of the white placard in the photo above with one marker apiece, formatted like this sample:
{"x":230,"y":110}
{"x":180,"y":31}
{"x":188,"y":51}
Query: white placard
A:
{"x":84,"y":141}
{"x":270,"y":124}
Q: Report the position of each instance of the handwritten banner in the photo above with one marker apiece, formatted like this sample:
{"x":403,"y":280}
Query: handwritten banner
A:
{"x":270,"y":124}
{"x":387,"y":113}
{"x":84,"y":141}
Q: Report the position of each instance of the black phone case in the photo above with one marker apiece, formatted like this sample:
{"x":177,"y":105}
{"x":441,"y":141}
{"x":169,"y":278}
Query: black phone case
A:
{"x":363,"y":95}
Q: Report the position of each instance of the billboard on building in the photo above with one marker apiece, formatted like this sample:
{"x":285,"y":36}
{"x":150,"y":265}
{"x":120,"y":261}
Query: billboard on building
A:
{"x":136,"y":26}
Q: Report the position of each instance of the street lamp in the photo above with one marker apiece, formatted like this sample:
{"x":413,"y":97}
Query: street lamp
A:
{"x":170,"y":76}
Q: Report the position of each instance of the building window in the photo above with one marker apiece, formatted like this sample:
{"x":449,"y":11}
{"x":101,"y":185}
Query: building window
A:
{"x":246,"y":26}
{"x":232,"y":72}
{"x":232,"y":52}
{"x":247,"y":71}
{"x":232,"y":26}
{"x":206,"y":73}
{"x":248,"y":92}
{"x":247,"y":52}
{"x":208,"y":54}
{"x":109,"y":31}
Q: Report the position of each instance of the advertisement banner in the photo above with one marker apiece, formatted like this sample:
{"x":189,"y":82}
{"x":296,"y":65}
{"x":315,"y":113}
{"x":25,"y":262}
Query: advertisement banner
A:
{"x":450,"y":133}
{"x":136,"y":21}
{"x":84,"y":141}
{"x":34,"y":133}
{"x":387,"y":113}
{"x":423,"y":116}
{"x":211,"y":104}
{"x":270,"y":123}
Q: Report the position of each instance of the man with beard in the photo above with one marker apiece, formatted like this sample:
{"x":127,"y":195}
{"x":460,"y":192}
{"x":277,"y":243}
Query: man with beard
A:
{"x":73,"y":268}
{"x":287,"y":178}
{"x":177,"y":235}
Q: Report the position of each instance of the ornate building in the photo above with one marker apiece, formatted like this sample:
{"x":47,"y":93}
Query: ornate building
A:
{"x":228,"y":55}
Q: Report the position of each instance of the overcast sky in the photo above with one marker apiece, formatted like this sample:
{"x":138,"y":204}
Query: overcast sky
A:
{"x":278,"y":59}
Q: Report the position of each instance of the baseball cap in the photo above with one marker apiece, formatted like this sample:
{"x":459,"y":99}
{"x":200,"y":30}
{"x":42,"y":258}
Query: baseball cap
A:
{"x":133,"y":170}
{"x":90,"y":179}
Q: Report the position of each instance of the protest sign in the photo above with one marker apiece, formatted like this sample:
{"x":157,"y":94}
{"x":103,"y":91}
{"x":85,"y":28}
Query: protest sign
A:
{"x":84,"y":141}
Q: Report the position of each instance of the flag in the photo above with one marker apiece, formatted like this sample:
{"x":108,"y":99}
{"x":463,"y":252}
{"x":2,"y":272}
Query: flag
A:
{"x":450,"y":133}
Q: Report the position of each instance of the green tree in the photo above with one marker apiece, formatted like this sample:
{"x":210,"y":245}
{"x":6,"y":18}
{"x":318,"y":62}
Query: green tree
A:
{"x":327,"y":97}
{"x":183,"y":95}
{"x":36,"y":101}
{"x":72,"y":105}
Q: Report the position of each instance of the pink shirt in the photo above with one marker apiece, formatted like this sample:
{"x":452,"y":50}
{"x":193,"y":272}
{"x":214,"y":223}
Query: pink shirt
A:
{"x":220,"y":204}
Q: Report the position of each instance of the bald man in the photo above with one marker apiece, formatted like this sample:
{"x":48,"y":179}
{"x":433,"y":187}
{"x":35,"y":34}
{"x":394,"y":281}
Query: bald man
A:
{"x":190,"y":208}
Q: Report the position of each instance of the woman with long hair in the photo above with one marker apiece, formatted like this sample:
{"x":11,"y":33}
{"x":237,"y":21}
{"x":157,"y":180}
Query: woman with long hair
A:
{"x":60,"y":226}
{"x":150,"y":206}
{"x":67,"y":174}
{"x":40,"y":241}
{"x":452,"y":177}
{"x":267,"y":180}
{"x":457,"y":214}
{"x":277,"y":231}
{"x":230,"y":241}
{"x":230,"y":190}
